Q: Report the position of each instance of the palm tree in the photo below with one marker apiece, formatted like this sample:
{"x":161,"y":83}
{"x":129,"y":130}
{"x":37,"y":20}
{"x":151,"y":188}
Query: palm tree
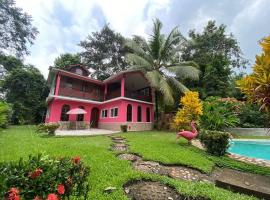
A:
{"x":159,"y":59}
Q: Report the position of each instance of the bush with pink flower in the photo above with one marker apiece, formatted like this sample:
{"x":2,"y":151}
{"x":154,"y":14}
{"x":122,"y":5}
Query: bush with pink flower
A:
{"x":44,"y":178}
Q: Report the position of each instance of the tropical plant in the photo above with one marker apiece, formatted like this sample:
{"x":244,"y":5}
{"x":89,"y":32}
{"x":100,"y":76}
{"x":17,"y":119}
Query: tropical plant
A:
{"x":256,"y":86}
{"x":43,"y":177}
{"x":218,"y":114}
{"x":158,"y":58}
{"x":191,"y":110}
{"x":5,"y":112}
{"x":47,"y":128}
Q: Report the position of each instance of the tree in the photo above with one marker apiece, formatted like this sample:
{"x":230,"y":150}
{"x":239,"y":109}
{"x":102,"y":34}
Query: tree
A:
{"x":16,"y":29}
{"x":104,"y":52}
{"x":157,"y":57}
{"x":216,"y":53}
{"x":25,"y":89}
{"x":256,"y":86}
{"x":67,"y":59}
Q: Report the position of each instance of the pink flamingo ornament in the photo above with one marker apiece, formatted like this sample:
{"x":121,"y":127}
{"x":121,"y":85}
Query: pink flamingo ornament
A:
{"x":189,"y":135}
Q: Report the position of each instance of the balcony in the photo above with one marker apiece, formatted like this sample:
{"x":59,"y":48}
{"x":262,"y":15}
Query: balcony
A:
{"x":69,"y":92}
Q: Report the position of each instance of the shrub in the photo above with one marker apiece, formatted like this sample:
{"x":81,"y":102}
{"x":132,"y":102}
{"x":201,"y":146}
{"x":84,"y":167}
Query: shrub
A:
{"x":48,"y":128}
{"x":5,"y":112}
{"x":44,"y":177}
{"x":219,"y":114}
{"x":251,"y":117}
{"x":215,"y":142}
{"x":123,"y":128}
{"x":190,"y":111}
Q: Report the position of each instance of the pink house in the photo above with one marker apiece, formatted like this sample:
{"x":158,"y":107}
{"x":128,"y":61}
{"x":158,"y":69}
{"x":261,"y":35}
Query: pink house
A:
{"x":123,"y":99}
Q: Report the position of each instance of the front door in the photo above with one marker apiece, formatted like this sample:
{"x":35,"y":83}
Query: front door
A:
{"x":94,"y":117}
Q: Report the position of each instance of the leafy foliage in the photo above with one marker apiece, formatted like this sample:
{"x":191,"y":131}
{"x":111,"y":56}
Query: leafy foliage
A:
{"x":16,"y":29}
{"x":67,"y":59}
{"x":5,"y":112}
{"x":41,"y":177}
{"x":25,"y":89}
{"x":48,"y":128}
{"x":191,"y":111}
{"x":218,"y":114}
{"x":251,"y":117}
{"x":216,"y":53}
{"x":104,"y":52}
{"x":216,"y":142}
{"x":256,"y":86}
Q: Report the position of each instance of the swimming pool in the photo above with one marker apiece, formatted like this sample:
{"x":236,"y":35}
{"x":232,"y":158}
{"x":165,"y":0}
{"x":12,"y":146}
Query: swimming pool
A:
{"x":251,"y":148}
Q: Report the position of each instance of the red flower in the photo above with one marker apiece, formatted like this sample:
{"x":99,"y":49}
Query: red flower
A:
{"x":13,"y":194}
{"x":52,"y":197}
{"x":61,"y":189}
{"x":76,"y":160}
{"x":36,"y":173}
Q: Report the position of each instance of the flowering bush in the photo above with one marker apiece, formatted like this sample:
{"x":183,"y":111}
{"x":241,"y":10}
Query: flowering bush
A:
{"x":44,"y":178}
{"x":191,"y":110}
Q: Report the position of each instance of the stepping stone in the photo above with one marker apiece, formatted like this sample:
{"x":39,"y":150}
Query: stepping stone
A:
{"x":147,"y":190}
{"x":242,"y":182}
{"x":151,"y":191}
{"x":129,"y":157}
{"x":119,"y":147}
{"x":188,"y":174}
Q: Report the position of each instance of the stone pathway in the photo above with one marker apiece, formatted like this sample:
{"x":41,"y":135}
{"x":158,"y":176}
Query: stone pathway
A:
{"x":156,"y":191}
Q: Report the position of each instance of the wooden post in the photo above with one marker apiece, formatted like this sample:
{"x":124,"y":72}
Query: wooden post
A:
{"x":123,"y":86}
{"x":57,"y":85}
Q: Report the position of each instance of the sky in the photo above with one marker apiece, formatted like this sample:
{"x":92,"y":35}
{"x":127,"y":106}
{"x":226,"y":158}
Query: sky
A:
{"x":62,"y":24}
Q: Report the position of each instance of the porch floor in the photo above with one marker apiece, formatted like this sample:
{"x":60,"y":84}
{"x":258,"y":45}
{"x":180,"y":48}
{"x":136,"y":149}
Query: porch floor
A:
{"x":86,"y":132}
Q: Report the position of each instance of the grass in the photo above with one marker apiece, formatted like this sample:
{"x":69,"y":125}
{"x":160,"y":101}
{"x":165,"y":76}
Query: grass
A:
{"x":163,"y":147}
{"x":106,"y":169}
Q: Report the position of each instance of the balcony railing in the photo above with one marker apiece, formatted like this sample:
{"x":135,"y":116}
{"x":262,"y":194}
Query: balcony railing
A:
{"x":138,"y":96}
{"x":69,"y":92}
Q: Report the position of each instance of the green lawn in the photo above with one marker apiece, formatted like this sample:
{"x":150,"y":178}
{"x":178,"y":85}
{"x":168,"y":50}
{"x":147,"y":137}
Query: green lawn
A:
{"x":107,"y":170}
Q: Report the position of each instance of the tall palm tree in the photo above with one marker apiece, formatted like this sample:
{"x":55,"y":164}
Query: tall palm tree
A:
{"x":159,"y":59}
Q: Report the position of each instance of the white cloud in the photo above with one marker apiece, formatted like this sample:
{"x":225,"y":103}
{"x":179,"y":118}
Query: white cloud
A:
{"x":126,"y":17}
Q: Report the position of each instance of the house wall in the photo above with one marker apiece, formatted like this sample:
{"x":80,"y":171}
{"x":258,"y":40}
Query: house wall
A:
{"x":112,"y":123}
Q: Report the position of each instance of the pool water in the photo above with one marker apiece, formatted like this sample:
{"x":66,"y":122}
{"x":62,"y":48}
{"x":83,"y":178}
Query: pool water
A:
{"x":251,"y":148}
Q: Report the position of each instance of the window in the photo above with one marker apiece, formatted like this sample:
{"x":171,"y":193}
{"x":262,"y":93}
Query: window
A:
{"x":114,"y":112}
{"x":64,"y":115}
{"x":69,"y":83}
{"x":104,"y":113}
{"x":147,"y":114}
{"x":80,"y":117}
{"x":79,"y":71}
{"x":129,"y":113}
{"x":139,"y":114}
